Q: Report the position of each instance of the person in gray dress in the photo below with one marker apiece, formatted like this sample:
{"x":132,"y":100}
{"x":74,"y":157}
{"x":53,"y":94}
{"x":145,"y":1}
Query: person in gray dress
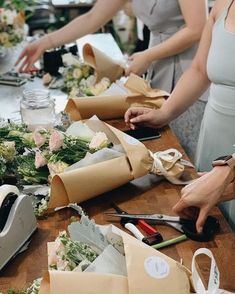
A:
{"x":171,"y":22}
{"x":176,"y":27}
{"x":214,"y":66}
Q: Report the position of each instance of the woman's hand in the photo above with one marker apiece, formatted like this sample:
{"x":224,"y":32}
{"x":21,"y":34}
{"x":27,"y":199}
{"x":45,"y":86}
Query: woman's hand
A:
{"x":199,"y":197}
{"x":148,"y":117}
{"x":138,"y":63}
{"x":32,"y":53}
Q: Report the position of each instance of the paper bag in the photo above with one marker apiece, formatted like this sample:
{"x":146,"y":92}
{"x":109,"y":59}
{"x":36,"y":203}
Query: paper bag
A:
{"x":103,"y":65}
{"x":111,"y":107}
{"x":148,"y":271}
{"x":75,"y":186}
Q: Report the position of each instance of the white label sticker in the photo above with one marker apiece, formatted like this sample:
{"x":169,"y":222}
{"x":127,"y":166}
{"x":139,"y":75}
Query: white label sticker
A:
{"x":156,"y":267}
{"x":130,"y":140}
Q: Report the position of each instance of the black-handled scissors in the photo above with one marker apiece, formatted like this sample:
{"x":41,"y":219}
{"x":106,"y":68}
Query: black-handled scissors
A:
{"x":185,"y":226}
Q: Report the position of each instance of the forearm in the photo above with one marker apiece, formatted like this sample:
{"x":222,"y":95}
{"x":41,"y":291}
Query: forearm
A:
{"x":178,"y":43}
{"x":189,"y":88}
{"x":85,"y":24}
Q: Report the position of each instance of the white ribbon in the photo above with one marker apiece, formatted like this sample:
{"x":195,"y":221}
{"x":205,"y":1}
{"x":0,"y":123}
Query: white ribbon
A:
{"x":172,"y":156}
{"x":214,"y":278}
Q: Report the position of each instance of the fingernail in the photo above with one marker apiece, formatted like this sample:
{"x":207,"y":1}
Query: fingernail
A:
{"x":200,"y":230}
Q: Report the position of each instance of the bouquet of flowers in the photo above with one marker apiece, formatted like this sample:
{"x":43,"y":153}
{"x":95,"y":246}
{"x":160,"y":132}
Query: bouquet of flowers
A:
{"x":78,"y":78}
{"x":12,"y":22}
{"x":33,"y":157}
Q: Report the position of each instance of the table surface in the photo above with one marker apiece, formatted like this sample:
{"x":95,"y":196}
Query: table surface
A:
{"x":144,"y":195}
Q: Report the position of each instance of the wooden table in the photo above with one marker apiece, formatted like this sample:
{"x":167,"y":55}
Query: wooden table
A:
{"x":144,"y":195}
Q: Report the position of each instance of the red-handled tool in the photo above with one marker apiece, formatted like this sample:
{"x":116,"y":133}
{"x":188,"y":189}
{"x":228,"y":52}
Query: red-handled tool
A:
{"x":154,"y":236}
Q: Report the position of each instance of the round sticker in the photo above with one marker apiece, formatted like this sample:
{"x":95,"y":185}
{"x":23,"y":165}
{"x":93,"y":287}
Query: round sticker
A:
{"x":156,"y":267}
{"x":130,"y":140}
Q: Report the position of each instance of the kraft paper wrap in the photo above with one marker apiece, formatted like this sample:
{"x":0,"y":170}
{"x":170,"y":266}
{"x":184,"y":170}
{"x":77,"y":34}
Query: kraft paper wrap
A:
{"x":138,"y":280}
{"x":75,"y":186}
{"x":111,"y":107}
{"x":103,"y":65}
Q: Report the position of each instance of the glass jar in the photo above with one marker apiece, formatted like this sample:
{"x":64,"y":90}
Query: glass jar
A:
{"x":37,"y":109}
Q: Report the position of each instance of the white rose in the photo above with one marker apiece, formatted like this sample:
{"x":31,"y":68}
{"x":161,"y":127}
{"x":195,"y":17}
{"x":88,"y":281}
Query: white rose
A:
{"x":8,"y":16}
{"x":99,"y":141}
{"x":77,"y":73}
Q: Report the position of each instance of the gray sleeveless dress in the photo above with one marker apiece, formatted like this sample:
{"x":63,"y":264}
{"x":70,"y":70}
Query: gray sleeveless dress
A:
{"x":164,"y":18}
{"x":217,"y":134}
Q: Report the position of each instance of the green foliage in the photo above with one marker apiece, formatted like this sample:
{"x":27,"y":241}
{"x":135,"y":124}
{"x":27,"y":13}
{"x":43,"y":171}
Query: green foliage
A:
{"x":72,"y":150}
{"x":28,"y":172}
{"x":18,"y":5}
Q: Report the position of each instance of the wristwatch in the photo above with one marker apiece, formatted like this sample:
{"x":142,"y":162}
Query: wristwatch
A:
{"x":226,"y":160}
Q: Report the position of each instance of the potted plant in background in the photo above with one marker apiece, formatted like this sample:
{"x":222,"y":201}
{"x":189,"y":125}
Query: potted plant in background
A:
{"x":13,"y":30}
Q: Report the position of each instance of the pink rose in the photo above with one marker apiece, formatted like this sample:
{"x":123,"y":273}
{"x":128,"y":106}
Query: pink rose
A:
{"x":39,"y":137}
{"x":40,"y":160}
{"x":56,"y":140}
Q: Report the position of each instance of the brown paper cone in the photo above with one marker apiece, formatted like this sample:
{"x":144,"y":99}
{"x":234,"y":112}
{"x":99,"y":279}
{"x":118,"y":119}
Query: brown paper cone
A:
{"x":102,"y":64}
{"x":105,"y":107}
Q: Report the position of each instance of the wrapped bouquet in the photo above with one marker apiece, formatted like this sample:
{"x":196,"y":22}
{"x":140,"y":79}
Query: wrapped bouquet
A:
{"x":79,"y":78}
{"x":110,"y":258}
{"x":114,"y":102}
{"x":88,"y":77}
{"x":130,"y":158}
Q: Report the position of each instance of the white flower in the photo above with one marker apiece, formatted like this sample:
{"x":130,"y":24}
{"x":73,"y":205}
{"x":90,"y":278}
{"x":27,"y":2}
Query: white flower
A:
{"x":7,"y":16}
{"x":61,"y":70}
{"x":99,"y":141}
{"x":69,"y":59}
{"x":77,"y":73}
{"x":57,"y":167}
{"x":100,"y":87}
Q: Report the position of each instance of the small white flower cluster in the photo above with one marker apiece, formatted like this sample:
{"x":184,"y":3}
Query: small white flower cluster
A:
{"x":79,"y":78}
{"x":7,"y":16}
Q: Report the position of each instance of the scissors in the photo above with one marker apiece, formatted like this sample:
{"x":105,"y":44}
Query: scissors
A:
{"x":185,"y":226}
